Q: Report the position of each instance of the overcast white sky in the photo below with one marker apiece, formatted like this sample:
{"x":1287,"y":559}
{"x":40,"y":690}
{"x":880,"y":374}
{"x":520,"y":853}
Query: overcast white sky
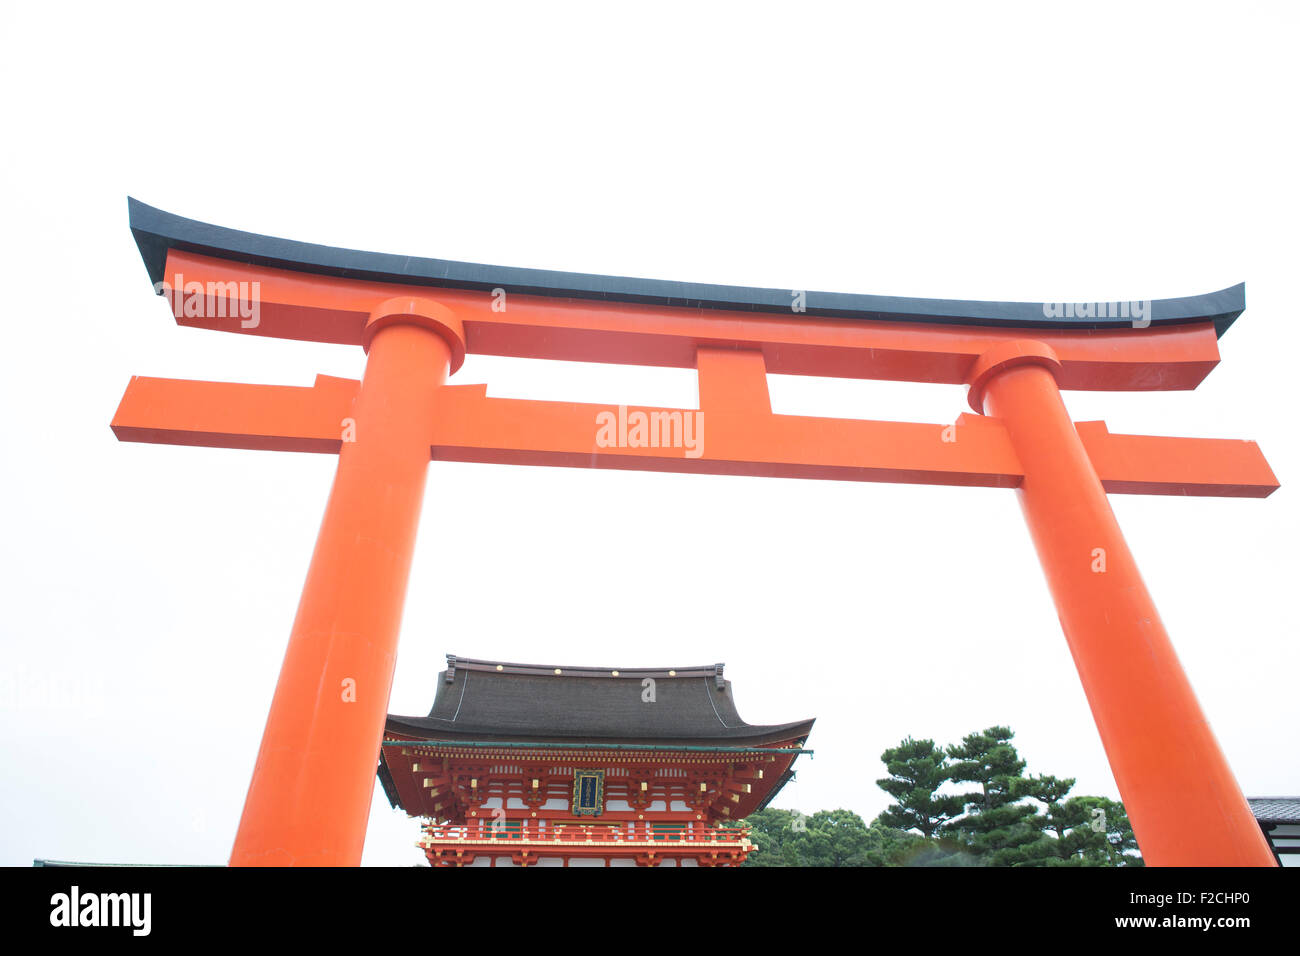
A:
{"x":1004,"y":152}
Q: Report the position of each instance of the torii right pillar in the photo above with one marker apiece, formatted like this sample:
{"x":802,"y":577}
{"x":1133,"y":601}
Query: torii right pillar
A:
{"x":1159,"y":744}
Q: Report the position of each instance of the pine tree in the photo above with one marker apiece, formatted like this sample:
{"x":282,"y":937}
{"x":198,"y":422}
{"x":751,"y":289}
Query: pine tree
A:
{"x":996,"y":827}
{"x":1092,"y":831}
{"x":917,"y":769}
{"x":999,"y":824}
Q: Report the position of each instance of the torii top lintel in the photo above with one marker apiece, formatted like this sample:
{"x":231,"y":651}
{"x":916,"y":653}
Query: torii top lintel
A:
{"x":325,"y":294}
{"x":732,"y":336}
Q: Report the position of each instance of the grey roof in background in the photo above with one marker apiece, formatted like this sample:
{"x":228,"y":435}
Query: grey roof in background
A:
{"x":490,"y":700}
{"x":1275,"y":809}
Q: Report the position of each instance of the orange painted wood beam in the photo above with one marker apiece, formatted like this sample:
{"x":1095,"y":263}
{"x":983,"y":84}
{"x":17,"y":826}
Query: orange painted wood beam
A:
{"x":303,"y":306}
{"x":310,"y":794}
{"x":1157,"y":739}
{"x":469,"y":426}
{"x":170,"y":411}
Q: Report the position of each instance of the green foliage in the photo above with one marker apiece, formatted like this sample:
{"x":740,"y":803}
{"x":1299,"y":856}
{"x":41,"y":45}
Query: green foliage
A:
{"x":997,"y":827}
{"x":989,"y":759}
{"x":1018,"y":820}
{"x":1092,"y":831}
{"x":1005,"y":819}
{"x":827,"y":838}
{"x":917,"y":769}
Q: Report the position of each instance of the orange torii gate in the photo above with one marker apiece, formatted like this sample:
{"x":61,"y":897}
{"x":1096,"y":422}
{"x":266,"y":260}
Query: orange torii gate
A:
{"x":310,"y":795}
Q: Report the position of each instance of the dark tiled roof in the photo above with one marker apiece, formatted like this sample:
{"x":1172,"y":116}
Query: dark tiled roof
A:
{"x":491,"y":700}
{"x":1275,"y":809}
{"x":137,"y":866}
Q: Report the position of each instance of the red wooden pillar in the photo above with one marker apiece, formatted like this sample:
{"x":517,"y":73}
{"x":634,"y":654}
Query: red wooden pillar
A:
{"x":1181,"y":797}
{"x":309,"y":799}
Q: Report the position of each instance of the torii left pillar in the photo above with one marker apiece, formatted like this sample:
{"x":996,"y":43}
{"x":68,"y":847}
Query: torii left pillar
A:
{"x":309,"y":799}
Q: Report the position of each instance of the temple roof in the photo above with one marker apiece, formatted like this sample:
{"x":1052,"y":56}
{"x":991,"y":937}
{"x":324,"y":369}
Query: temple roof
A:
{"x":156,"y":232}
{"x":1275,"y":809}
{"x":499,"y":701}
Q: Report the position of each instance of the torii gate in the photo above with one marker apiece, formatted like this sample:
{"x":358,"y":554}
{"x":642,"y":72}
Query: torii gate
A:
{"x":309,"y":799}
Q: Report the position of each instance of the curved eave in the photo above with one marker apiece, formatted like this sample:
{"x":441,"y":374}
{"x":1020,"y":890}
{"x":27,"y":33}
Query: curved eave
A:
{"x":419,"y":728}
{"x":156,"y":232}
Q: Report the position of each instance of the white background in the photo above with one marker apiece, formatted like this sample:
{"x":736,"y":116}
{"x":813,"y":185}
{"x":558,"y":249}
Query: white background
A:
{"x":1114,"y":152}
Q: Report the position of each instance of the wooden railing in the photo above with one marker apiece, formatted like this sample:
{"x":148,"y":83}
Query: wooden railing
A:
{"x":531,"y":831}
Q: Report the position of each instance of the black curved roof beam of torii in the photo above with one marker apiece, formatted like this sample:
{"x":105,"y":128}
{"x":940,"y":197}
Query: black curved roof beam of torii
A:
{"x":157,"y":231}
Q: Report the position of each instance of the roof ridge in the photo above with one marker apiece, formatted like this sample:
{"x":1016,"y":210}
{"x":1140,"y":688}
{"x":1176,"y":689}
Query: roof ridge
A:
{"x":568,"y":670}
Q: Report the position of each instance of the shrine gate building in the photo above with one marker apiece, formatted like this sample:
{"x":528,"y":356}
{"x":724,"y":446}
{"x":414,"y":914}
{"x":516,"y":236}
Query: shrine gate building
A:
{"x":523,"y":765}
